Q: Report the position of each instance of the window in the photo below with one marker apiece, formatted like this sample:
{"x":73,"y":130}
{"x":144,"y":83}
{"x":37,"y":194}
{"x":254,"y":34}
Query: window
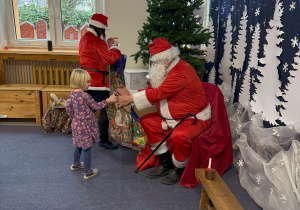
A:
{"x":34,"y":22}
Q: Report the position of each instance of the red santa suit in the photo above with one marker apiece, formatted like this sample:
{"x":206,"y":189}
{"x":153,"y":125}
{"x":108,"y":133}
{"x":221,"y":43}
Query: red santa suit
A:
{"x":180,"y":93}
{"x":95,"y":54}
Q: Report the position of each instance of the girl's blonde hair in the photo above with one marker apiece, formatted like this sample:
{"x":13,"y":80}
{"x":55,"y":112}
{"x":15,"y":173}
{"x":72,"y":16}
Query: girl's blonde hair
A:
{"x":78,"y":79}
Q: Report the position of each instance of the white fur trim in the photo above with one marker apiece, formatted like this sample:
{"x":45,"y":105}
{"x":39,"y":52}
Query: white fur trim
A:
{"x":205,"y":114}
{"x":164,"y":125}
{"x":114,"y":47}
{"x":92,"y":31}
{"x":140,"y":100}
{"x":165,"y":113}
{"x":133,"y":91}
{"x":161,"y":150}
{"x":169,"y":54}
{"x":98,"y":24}
{"x":179,"y":164}
{"x":164,"y":109}
{"x":174,"y":63}
{"x":98,"y":88}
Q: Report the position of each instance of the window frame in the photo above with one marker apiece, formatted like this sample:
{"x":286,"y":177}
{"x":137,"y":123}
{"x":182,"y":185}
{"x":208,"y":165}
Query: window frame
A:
{"x":54,"y":27}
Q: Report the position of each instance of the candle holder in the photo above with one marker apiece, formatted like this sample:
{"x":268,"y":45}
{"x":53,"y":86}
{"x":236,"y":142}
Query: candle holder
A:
{"x":210,"y":173}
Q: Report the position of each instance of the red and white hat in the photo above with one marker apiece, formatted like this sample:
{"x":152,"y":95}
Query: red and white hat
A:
{"x":99,"y":20}
{"x":159,"y":45}
{"x":161,"y":49}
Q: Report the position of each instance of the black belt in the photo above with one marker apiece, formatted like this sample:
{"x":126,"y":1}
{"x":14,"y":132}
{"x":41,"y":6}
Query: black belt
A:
{"x":105,"y":73}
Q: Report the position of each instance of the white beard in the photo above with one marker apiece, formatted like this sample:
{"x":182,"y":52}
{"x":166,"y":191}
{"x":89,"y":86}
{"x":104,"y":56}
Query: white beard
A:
{"x":157,"y":75}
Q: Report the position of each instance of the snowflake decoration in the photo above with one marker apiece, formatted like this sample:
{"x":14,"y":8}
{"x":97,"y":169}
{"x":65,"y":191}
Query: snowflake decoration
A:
{"x":292,"y":6}
{"x":294,"y":41}
{"x":281,"y":162}
{"x":258,"y":180}
{"x":291,"y":125}
{"x":240,"y":163}
{"x":274,"y":171}
{"x":223,"y":8}
{"x":285,"y":67}
{"x":283,"y":198}
{"x":251,"y":28}
{"x":257,"y":11}
{"x":272,"y":190}
{"x":226,"y":99}
{"x":137,"y":81}
{"x":276,"y":133}
{"x":217,"y":8}
{"x":232,"y":9}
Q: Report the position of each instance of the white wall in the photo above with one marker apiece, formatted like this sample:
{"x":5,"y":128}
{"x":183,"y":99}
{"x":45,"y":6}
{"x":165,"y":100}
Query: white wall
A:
{"x":125,"y":18}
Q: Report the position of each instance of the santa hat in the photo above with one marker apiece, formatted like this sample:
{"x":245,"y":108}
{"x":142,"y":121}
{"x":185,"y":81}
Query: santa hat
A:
{"x":160,"y":49}
{"x":99,"y":20}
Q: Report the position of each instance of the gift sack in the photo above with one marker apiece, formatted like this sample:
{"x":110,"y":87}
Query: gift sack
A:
{"x":139,"y":135}
{"x":55,"y":118}
{"x":120,"y":126}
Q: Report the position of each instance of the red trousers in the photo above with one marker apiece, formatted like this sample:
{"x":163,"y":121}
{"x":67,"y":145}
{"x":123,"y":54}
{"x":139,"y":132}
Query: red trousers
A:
{"x":180,"y":141}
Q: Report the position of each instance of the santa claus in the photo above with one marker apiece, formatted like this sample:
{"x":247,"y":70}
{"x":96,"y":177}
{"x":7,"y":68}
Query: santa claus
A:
{"x":176,"y":90}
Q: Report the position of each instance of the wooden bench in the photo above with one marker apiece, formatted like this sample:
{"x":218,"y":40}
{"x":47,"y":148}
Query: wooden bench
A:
{"x":217,"y":192}
{"x":21,"y":101}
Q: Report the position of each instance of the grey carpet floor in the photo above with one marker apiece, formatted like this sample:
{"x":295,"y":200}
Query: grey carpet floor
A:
{"x":35,"y":174}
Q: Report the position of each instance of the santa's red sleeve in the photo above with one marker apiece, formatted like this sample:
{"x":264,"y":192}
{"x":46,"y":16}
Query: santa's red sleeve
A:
{"x":173,"y":84}
{"x":108,"y":56}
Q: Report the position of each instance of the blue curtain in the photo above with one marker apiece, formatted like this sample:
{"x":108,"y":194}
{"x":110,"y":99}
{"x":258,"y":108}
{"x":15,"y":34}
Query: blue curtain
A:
{"x":234,"y":24}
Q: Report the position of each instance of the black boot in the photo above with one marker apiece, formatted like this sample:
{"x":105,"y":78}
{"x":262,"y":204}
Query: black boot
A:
{"x":164,"y":168}
{"x":173,"y":176}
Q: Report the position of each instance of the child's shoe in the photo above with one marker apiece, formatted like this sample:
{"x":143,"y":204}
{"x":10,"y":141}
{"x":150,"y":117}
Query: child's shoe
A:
{"x":75,"y":167}
{"x":93,"y":172}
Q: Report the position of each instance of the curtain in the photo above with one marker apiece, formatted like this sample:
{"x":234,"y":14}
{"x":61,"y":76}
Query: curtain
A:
{"x":254,"y":57}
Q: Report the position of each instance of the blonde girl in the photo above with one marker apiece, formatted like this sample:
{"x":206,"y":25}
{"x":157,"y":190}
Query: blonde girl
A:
{"x":85,"y":130}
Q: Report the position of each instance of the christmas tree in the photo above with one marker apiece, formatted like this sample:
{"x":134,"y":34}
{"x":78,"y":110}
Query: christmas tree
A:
{"x":175,"y":21}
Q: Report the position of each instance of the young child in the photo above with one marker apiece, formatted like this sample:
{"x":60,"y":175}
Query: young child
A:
{"x":85,"y":130}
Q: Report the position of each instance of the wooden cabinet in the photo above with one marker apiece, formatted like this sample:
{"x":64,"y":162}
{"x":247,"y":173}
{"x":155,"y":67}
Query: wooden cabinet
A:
{"x":21,"y":101}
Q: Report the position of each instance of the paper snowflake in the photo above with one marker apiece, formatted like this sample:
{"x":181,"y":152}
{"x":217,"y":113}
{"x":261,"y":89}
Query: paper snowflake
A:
{"x":274,"y":171}
{"x":292,"y":6}
{"x":223,"y":8}
{"x":283,"y":198}
{"x":285,"y":67}
{"x":294,"y":41}
{"x":240,"y":163}
{"x":276,"y":133}
{"x":257,"y":11}
{"x":281,"y":162}
{"x":251,"y":28}
{"x":258,"y":180}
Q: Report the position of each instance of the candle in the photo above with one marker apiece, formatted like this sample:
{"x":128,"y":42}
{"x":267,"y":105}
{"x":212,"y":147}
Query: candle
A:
{"x":209,"y":163}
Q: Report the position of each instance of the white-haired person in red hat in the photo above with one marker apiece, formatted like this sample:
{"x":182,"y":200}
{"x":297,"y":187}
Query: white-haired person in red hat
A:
{"x":95,"y":53}
{"x":176,"y":90}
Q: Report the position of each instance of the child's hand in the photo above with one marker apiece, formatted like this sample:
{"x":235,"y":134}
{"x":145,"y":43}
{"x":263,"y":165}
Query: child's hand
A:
{"x":112,"y":99}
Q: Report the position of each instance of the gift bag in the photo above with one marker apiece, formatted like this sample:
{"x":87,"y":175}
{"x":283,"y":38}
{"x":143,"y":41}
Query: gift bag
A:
{"x":120,"y":120}
{"x":139,"y":135}
{"x":55,"y":118}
